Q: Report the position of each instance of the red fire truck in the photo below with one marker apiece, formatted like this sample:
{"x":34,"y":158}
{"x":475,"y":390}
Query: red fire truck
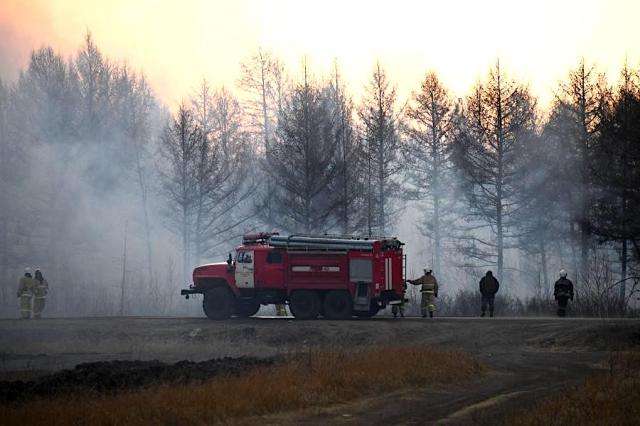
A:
{"x":336,"y":277}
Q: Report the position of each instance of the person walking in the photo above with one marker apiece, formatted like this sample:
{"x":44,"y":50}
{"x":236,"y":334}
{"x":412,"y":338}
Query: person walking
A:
{"x":40,"y":290}
{"x":563,"y":291}
{"x":26,"y":285}
{"x":489,"y":286}
{"x":428,"y":292}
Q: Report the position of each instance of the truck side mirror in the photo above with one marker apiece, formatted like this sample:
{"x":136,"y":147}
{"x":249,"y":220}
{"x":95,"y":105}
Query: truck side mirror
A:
{"x":229,"y":260}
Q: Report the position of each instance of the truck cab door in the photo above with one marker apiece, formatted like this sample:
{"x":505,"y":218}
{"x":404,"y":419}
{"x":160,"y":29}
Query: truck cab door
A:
{"x":245,"y":269}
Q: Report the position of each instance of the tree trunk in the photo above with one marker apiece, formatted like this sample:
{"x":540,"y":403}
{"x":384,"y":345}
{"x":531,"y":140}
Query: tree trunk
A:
{"x":584,"y":252}
{"x":198,"y":237}
{"x":381,"y":197}
{"x":500,"y":242}
{"x":584,"y":233}
{"x":185,"y":246}
{"x":623,"y":271}
{"x":124,"y":270}
{"x":265,"y":129}
{"x":499,"y":179}
{"x":4,"y":261}
{"x":544,"y":266}
{"x":369,"y":196}
{"x":436,"y":234}
{"x":145,"y":211}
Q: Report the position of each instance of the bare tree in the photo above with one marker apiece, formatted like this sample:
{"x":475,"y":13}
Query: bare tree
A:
{"x":135,"y":106}
{"x":301,"y":164}
{"x":224,"y":184}
{"x":350,"y":180}
{"x":378,"y":115}
{"x":429,"y":134}
{"x":499,"y":118}
{"x":262,"y":78}
{"x":94,"y":82}
{"x":579,"y":106}
{"x":264,"y":82}
{"x":180,"y":149}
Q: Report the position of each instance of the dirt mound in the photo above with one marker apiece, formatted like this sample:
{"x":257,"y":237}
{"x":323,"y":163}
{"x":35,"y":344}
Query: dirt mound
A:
{"x":115,"y":376}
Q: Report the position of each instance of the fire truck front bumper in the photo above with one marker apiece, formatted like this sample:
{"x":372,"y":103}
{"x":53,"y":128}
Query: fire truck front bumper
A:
{"x":186,"y":292}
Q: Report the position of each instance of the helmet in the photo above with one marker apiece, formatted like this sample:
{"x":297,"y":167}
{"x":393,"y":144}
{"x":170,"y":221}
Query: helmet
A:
{"x":27,"y":270}
{"x":563,"y":273}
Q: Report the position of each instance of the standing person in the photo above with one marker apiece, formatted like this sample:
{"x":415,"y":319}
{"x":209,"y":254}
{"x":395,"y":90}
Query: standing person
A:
{"x":281,"y":310}
{"x":563,"y":291}
{"x":40,"y":290}
{"x":489,"y":286}
{"x":398,"y":308}
{"x":428,"y":292}
{"x":25,"y":293}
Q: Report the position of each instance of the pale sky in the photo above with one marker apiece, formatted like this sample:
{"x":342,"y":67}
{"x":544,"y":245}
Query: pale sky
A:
{"x":176,"y":43}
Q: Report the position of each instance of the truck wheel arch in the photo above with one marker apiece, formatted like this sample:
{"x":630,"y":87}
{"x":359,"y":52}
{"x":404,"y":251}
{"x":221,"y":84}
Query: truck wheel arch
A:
{"x":211,"y":283}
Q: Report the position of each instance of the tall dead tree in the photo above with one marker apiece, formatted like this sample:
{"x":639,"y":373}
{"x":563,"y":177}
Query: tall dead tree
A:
{"x":135,"y":107}
{"x":301,"y":164}
{"x":426,"y":150}
{"x":349,"y":183}
{"x":498,"y":119}
{"x":202,"y":106}
{"x":378,"y":116}
{"x":94,"y":83}
{"x":579,"y":103}
{"x":224,"y":183}
{"x":264,"y":82}
{"x":262,"y":78}
{"x":180,"y":151}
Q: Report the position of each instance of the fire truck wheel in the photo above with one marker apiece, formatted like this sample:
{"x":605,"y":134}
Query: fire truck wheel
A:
{"x":218,"y":303}
{"x":337,"y":305}
{"x":304,"y":304}
{"x":247,"y":309}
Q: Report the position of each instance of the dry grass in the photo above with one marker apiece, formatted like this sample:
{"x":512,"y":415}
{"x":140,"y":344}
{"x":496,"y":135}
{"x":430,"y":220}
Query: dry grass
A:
{"x":314,"y":379}
{"x":611,"y":398}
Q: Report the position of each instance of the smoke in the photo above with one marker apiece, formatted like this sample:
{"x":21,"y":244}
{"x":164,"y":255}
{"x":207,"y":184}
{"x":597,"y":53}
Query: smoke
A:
{"x":81,"y":196}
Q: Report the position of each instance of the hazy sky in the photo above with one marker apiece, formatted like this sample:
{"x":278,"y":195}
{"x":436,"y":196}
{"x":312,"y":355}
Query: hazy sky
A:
{"x":176,"y":43}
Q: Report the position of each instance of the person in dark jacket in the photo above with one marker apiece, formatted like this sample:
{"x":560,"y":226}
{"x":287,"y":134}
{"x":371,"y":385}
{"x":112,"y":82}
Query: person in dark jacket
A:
{"x":563,"y":291}
{"x":489,"y":286}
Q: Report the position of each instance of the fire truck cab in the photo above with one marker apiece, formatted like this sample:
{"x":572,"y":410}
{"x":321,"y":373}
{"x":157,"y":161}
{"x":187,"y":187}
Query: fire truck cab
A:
{"x":335,"y":277}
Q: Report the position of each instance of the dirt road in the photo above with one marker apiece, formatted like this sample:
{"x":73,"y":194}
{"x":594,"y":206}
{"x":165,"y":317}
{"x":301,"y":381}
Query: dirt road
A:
{"x":527,"y":357}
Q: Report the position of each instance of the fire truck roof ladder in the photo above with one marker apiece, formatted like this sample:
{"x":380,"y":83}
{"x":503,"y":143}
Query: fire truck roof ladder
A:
{"x":321,"y":242}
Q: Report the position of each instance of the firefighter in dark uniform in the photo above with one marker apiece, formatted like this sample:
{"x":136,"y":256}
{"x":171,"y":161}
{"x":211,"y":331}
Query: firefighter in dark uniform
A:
{"x":563,"y":291}
{"x":489,"y":286}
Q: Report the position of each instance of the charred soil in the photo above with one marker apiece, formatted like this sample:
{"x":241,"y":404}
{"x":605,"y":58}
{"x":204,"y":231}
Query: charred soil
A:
{"x":112,"y":377}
